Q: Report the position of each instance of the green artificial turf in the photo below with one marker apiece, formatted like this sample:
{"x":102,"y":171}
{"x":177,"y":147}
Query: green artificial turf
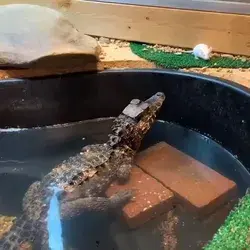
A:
{"x":184,"y":60}
{"x":234,"y":234}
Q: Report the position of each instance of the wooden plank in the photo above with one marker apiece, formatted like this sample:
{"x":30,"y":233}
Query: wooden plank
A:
{"x":227,"y":33}
{"x":224,"y":6}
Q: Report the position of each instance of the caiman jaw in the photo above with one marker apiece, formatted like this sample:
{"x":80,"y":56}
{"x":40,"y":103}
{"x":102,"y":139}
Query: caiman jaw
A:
{"x":144,"y":109}
{"x":148,"y":115}
{"x":136,"y":119}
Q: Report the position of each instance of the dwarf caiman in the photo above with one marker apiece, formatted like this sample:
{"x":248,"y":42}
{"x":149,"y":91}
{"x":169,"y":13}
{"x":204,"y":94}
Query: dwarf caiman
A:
{"x":84,"y":177}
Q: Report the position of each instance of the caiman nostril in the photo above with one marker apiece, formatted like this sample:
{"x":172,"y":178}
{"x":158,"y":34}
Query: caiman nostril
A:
{"x":160,"y":94}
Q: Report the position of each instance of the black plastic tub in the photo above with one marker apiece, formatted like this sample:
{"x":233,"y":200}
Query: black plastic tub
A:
{"x":44,"y":120}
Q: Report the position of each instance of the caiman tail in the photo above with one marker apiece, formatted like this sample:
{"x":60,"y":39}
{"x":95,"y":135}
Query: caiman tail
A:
{"x":21,"y":234}
{"x":30,"y":231}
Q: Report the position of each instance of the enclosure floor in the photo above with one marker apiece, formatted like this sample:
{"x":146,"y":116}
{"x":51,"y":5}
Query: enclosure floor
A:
{"x":121,"y":57}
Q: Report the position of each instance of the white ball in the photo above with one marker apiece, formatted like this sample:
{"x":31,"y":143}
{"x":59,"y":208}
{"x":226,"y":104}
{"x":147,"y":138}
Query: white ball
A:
{"x":202,"y":51}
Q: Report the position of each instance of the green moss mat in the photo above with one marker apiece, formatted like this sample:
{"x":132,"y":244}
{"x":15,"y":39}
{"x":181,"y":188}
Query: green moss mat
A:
{"x":184,"y":60}
{"x":234,"y":234}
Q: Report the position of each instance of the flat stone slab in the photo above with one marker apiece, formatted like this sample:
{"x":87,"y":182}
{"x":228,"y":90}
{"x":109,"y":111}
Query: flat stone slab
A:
{"x":199,"y":188}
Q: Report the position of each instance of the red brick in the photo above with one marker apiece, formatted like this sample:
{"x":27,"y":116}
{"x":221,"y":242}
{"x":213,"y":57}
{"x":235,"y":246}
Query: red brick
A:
{"x":199,"y":188}
{"x":151,"y":198}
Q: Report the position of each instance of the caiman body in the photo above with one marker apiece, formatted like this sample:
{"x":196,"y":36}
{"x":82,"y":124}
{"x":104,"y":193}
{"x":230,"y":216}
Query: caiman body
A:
{"x":83,"y":178}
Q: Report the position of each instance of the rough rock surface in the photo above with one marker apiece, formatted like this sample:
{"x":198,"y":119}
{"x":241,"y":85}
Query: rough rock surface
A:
{"x":42,"y":36}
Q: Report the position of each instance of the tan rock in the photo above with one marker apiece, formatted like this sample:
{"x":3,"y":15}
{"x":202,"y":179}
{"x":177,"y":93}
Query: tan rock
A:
{"x":40,"y":36}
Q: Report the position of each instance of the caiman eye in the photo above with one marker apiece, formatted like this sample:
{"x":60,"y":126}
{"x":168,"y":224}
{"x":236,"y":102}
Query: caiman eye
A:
{"x":159,"y":94}
{"x":127,"y":125}
{"x":135,"y":101}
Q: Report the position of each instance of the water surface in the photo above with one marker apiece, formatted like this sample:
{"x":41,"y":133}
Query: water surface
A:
{"x":27,"y":155}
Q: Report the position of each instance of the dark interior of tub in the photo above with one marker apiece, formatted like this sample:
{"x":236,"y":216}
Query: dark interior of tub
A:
{"x":46,"y":120}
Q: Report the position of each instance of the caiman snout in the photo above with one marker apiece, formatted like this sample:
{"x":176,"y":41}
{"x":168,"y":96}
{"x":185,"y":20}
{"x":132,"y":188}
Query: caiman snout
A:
{"x":158,"y":98}
{"x":136,"y":108}
{"x":155,"y":102}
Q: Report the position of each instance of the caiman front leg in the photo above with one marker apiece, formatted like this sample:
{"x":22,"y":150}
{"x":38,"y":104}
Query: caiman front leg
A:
{"x":72,"y":208}
{"x":97,"y":186}
{"x":87,"y":197}
{"x":123,"y":173}
{"x":75,"y":204}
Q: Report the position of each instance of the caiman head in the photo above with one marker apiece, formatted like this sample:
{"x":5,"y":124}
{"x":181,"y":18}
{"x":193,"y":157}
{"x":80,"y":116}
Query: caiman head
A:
{"x":134,"y":122}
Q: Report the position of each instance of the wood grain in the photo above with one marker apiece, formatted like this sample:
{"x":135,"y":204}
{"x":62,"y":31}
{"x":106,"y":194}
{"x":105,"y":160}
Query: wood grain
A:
{"x":227,"y":33}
